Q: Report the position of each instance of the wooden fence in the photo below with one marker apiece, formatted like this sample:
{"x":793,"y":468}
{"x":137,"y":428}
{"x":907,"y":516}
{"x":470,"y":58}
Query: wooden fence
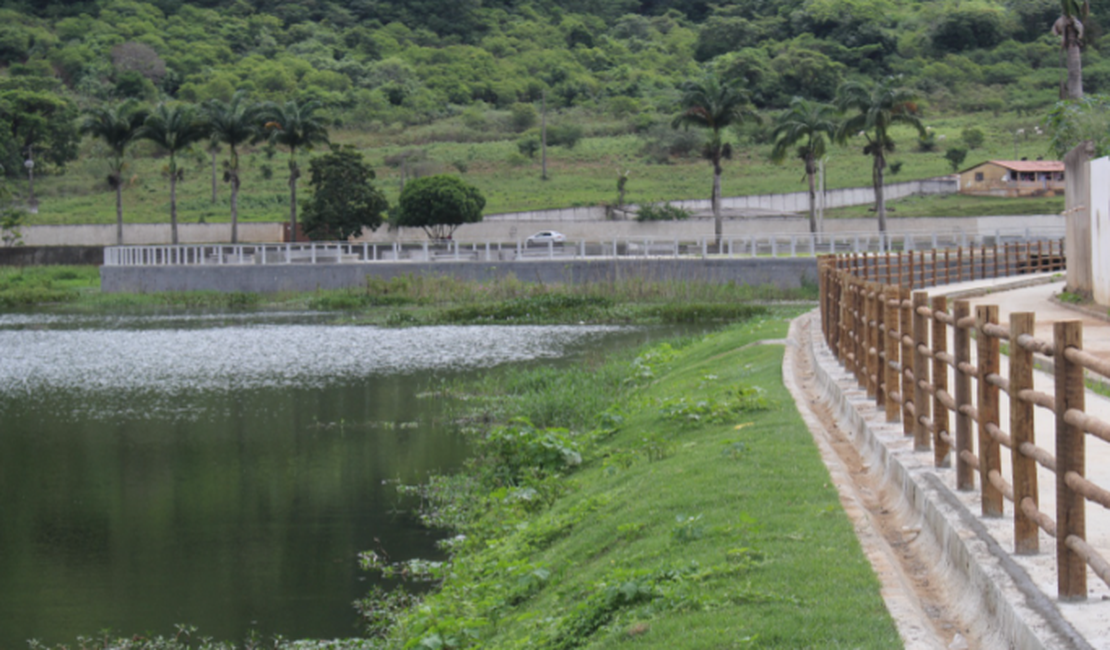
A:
{"x":896,"y":342}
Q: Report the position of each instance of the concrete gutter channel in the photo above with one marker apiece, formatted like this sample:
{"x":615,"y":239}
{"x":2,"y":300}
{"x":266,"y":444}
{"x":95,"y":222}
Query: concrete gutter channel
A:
{"x":1005,"y":601}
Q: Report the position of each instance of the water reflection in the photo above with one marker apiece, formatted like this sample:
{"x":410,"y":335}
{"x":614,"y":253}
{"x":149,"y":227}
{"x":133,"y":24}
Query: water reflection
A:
{"x":221,"y":475}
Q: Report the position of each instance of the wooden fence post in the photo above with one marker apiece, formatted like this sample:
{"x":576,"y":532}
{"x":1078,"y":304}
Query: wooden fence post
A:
{"x":990,"y":457}
{"x":940,"y":381}
{"x":921,"y":437}
{"x":947,"y":268}
{"x":911,"y":278}
{"x":1024,"y":468}
{"x":961,"y":349}
{"x":879,"y":343}
{"x":960,"y":264}
{"x":868,"y":335}
{"x":1071,"y":569}
{"x":906,"y":339}
{"x":890,"y":297}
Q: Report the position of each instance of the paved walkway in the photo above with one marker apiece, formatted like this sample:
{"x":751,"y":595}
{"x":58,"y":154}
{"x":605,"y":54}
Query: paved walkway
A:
{"x":1089,"y":620}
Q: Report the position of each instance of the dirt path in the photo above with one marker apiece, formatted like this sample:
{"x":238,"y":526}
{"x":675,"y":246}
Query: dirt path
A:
{"x":903,"y":558}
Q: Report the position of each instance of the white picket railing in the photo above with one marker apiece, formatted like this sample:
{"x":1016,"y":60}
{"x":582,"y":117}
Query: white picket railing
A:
{"x":791,"y":245}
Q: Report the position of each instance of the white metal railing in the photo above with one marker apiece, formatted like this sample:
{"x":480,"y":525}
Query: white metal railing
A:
{"x":782,"y":245}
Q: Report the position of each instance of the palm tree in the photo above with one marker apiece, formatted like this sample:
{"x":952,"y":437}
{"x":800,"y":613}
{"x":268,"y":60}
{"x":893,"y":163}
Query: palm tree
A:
{"x":1070,"y":30}
{"x":234,"y":123}
{"x":118,"y":126}
{"x":297,"y":127}
{"x":174,"y":128}
{"x":809,"y":126}
{"x":715,"y":105}
{"x":878,"y":106}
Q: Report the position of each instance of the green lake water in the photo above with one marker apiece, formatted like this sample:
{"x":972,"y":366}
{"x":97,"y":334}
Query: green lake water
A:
{"x":223,"y":471}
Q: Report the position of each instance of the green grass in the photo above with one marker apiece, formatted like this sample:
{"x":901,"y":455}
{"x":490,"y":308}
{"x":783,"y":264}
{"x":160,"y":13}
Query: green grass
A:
{"x":417,"y":300}
{"x":701,"y":515}
{"x":956,"y":205}
{"x":583,"y":176}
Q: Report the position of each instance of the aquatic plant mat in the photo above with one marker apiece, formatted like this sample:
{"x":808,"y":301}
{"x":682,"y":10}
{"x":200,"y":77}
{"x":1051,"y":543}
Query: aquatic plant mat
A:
{"x":683,"y":505}
{"x":415,"y":300}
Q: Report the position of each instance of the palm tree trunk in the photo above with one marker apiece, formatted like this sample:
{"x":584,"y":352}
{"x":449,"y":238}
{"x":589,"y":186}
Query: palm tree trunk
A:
{"x":292,"y":199}
{"x":119,"y":211}
{"x":718,"y":226}
{"x":235,"y":206}
{"x":811,"y":172}
{"x":880,"y":204}
{"x":173,"y":202}
{"x":1074,"y":62}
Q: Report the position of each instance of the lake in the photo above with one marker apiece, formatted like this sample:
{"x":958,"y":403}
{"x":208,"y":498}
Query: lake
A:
{"x":224,"y":470}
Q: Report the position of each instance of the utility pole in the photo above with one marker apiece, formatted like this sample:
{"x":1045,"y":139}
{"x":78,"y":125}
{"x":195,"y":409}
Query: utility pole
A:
{"x":543,"y":133}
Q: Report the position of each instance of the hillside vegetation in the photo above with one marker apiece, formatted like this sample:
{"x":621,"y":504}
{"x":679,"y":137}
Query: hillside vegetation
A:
{"x":428,"y":86}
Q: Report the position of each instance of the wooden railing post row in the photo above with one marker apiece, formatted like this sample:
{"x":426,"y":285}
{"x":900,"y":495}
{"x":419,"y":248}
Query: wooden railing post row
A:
{"x":940,"y":381}
{"x":990,"y":457}
{"x":1071,"y":521}
{"x":911,"y":278}
{"x":1023,"y":468}
{"x":905,"y":332}
{"x":890,"y":307}
{"x":921,"y":437}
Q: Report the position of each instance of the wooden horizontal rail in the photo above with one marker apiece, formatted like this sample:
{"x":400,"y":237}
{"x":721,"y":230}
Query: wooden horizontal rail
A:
{"x":904,"y":349}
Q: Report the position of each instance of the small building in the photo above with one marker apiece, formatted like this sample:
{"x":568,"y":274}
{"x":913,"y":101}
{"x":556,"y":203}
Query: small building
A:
{"x":1014,"y":178}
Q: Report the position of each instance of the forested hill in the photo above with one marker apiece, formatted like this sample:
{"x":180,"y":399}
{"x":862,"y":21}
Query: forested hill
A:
{"x":413,"y":60}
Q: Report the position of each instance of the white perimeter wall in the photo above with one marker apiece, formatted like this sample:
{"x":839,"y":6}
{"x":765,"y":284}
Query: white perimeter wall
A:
{"x":1099,"y":211}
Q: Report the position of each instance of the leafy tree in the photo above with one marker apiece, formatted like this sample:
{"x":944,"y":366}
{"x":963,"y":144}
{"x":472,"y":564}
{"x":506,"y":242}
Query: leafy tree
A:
{"x":807,"y":128}
{"x":714,"y":104}
{"x":117,"y":126}
{"x":234,"y":123}
{"x":439,"y":204}
{"x":295,"y":126}
{"x":973,"y":137}
{"x":38,"y":124}
{"x":955,"y":157}
{"x":877,"y":107}
{"x":344,"y":200}
{"x":174,"y":128}
{"x":1070,"y":122}
{"x":1069,"y":28}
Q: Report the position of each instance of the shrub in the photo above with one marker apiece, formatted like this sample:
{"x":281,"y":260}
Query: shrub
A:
{"x":564,"y":135}
{"x":661,"y":212}
{"x":973,"y":137}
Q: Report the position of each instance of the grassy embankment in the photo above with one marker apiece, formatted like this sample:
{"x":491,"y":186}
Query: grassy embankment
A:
{"x":412,"y":300}
{"x":682,"y":504}
{"x":580,"y":176}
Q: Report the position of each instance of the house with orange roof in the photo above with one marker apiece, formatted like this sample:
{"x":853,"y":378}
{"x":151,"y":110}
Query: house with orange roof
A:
{"x":1014,"y":178}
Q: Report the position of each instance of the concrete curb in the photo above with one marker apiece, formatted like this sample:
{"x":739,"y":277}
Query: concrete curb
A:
{"x":1004,"y":606}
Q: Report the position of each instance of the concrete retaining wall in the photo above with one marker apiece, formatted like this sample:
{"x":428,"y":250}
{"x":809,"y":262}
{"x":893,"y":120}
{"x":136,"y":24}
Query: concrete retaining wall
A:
{"x":783,"y":273}
{"x":147,"y":233}
{"x":49,"y":255}
{"x":695,"y":228}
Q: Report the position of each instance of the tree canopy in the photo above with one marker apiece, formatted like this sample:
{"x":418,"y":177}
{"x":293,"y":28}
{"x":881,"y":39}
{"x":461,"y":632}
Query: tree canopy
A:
{"x":344,"y":200}
{"x":439,"y":205}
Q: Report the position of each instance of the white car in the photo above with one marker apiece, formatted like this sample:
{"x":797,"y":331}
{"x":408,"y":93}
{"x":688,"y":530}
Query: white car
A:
{"x":546,"y":236}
